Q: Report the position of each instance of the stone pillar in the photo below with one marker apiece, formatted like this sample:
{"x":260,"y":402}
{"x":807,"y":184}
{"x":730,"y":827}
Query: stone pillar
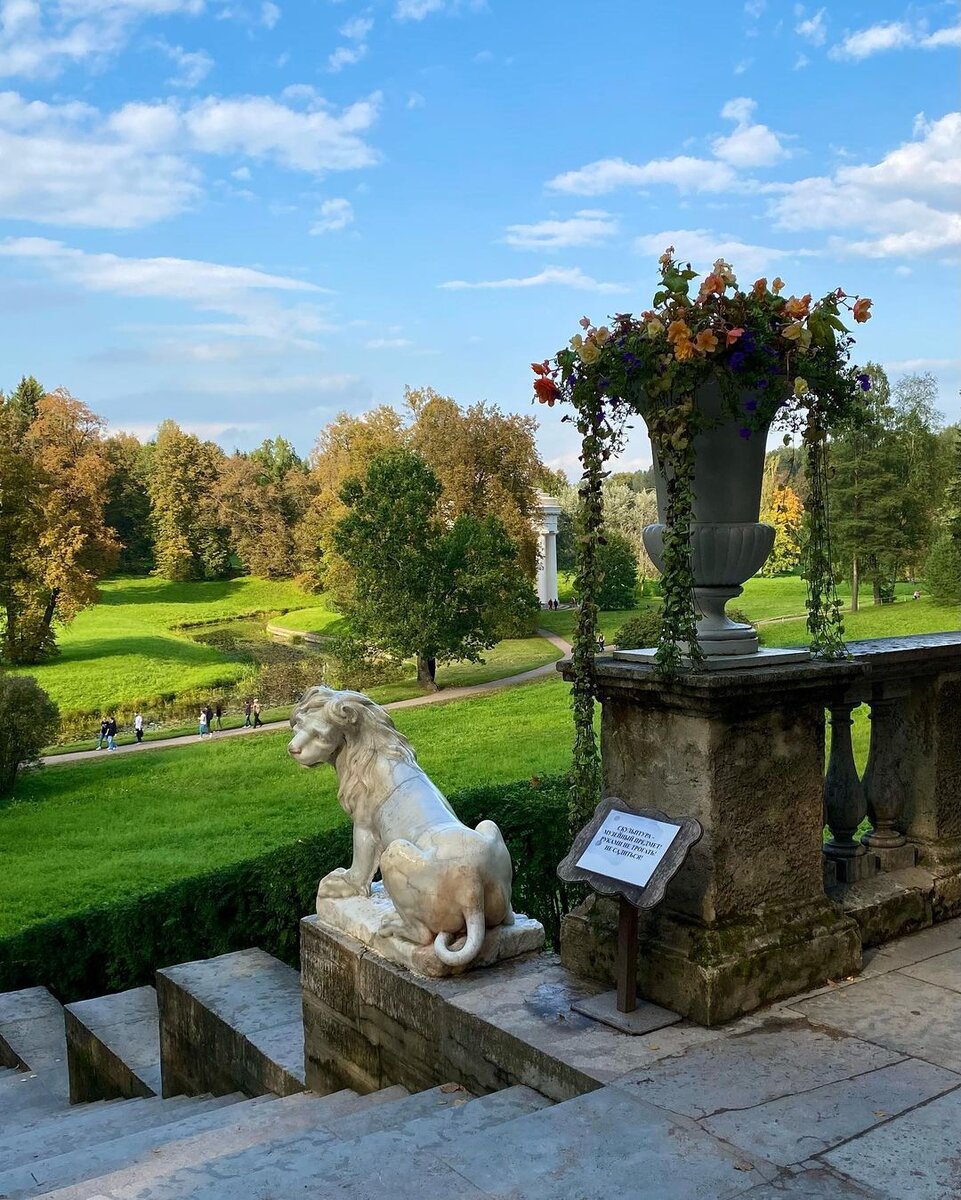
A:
{"x":549,"y":512}
{"x":746,"y":920}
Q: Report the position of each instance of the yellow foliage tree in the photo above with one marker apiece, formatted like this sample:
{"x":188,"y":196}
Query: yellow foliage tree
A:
{"x":785,"y":512}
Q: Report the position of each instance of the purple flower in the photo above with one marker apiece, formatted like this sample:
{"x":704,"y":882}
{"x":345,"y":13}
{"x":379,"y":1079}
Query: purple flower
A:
{"x":737,"y":360}
{"x":744,"y":432}
{"x":762,"y":383}
{"x":865,"y":382}
{"x":750,"y":405}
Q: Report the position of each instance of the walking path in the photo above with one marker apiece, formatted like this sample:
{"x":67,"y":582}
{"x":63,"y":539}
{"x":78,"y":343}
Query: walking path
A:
{"x":442,"y":697}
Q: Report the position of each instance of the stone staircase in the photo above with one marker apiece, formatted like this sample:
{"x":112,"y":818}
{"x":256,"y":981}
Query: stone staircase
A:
{"x":196,"y":1089}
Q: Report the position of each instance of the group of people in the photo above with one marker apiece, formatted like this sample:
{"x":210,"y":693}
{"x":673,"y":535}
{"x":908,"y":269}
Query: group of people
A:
{"x":552,"y":605}
{"x":209,"y":715}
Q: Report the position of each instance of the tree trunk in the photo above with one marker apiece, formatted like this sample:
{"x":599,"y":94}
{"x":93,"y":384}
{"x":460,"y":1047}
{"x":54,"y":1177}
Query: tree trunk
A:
{"x":876,"y":586}
{"x":426,"y":670}
{"x":855,"y":583}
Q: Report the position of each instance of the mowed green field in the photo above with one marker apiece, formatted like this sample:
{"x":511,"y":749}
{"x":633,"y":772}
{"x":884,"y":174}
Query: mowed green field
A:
{"x":127,"y":646}
{"x":83,"y":834}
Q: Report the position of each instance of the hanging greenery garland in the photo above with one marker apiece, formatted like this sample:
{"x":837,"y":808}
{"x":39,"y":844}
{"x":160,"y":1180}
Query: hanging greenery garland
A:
{"x":775,"y":359}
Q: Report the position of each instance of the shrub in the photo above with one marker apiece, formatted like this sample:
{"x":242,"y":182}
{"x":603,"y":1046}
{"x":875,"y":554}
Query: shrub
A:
{"x":28,"y":720}
{"x":639,"y":632}
{"x":618,"y":562}
{"x":260,"y":902}
{"x":942,"y":570}
{"x":355,"y":665}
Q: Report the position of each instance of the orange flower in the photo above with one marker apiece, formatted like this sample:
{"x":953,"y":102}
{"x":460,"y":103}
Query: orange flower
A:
{"x":541,"y":368}
{"x":713,"y":283}
{"x":734,"y":334}
{"x":683,"y":348}
{"x":792,"y":332}
{"x":667,"y":256}
{"x":760,"y":286}
{"x":861,"y":307}
{"x":777,"y":285}
{"x":547,"y":390}
{"x":798,"y":308}
{"x":706,"y":341}
{"x":678,"y":331}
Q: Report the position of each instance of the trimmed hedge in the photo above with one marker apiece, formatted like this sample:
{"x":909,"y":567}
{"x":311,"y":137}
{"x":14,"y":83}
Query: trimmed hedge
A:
{"x":259,"y":902}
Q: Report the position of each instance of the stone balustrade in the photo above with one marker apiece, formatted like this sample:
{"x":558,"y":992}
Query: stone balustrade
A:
{"x":764,"y":906}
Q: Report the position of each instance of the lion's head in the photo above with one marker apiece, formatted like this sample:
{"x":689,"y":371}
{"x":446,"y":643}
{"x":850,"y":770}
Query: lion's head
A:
{"x":325,"y":721}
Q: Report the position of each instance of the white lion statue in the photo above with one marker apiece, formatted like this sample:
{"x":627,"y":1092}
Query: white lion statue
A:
{"x":443,"y":878}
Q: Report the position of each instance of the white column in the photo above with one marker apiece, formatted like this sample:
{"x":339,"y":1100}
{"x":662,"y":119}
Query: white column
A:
{"x":542,"y":593}
{"x":549,"y":512}
{"x":550,"y":564}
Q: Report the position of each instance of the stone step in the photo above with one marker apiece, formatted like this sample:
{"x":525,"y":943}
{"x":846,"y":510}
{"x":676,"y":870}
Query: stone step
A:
{"x":32,"y":1035}
{"x":67,"y":1126}
{"x":119,"y":1139}
{"x":322,"y":1156}
{"x":24,"y":1098}
{"x":113,"y":1046}
{"x":232,"y":1023}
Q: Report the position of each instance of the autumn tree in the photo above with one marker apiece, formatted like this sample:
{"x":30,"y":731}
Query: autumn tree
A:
{"x":250,"y":503}
{"x":421,"y":586}
{"x":191,"y":538}
{"x":55,"y":543}
{"x":127,"y":507}
{"x":785,"y":512}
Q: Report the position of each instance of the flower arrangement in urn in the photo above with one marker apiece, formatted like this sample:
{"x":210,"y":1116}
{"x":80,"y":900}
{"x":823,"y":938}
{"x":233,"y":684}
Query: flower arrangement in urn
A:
{"x":709,"y":371}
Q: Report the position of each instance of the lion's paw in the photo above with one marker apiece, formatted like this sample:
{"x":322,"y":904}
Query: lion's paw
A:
{"x":338,"y":886}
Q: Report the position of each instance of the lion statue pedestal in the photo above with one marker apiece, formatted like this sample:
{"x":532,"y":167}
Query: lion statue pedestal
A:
{"x":445,"y":901}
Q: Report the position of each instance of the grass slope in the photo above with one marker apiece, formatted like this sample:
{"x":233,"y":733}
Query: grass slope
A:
{"x":78,"y":835}
{"x":127,"y":648}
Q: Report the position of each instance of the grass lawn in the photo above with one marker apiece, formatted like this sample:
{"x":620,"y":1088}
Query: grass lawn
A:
{"x":318,"y":619}
{"x":81,"y":834}
{"x":905,"y":616}
{"x":127,"y":647}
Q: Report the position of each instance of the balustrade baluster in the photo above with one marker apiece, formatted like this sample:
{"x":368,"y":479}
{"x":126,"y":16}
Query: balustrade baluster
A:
{"x":884,"y":789}
{"x":844,"y":803}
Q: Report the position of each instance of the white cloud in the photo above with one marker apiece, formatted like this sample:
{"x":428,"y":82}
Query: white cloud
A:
{"x":357,"y":28}
{"x":247,"y":295}
{"x":894,"y":35}
{"x":415,"y":100}
{"x":701,"y":247}
{"x":684,"y":172}
{"x":585,"y":228}
{"x":416,"y":10}
{"x":269,"y":14}
{"x":922,"y":364}
{"x":813,"y":29}
{"x":134,"y":166}
{"x":754,"y":8}
{"x":316,"y":141}
{"x":397,"y":343}
{"x":193,"y":66}
{"x":345,"y":56}
{"x":242,"y":173}
{"x":572,"y":277}
{"x":801,"y":62}
{"x":334,"y":215}
{"x":903,"y":206}
{"x":751,"y":144}
{"x":38,"y":40}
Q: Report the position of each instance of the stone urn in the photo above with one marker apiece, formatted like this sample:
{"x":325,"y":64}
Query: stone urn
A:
{"x":728,"y":543}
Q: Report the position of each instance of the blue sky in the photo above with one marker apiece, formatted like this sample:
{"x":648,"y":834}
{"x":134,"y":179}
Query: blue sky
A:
{"x":251,"y":215}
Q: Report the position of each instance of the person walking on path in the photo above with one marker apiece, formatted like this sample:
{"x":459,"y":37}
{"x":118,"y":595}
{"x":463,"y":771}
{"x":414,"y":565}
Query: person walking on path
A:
{"x":209,"y":717}
{"x":112,"y":733}
{"x":256,"y":711}
{"x":219,"y":714}
{"x":138,"y":727}
{"x":248,"y":709}
{"x":102,"y":739}
{"x":204,"y":729}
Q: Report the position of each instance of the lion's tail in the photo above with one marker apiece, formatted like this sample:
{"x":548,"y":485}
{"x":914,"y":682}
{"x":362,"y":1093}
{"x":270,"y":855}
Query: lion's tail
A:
{"x":476,"y":931}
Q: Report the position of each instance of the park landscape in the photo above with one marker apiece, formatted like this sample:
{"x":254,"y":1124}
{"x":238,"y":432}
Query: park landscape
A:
{"x":434,"y":764}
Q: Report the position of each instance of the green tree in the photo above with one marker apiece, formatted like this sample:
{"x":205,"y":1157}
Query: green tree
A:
{"x":942,"y":569}
{"x":28,"y":722}
{"x":127,"y":507}
{"x":25,"y":400}
{"x":882,"y":500}
{"x":420,"y":586}
{"x":618,"y":566}
{"x":251,"y":505}
{"x":191,"y":538}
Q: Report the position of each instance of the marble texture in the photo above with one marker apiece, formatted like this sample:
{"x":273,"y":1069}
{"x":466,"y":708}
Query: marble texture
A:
{"x":444,"y":879}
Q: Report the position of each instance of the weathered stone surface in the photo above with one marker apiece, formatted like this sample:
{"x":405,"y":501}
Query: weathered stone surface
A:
{"x":32,"y":1033}
{"x":816,"y":1183}
{"x":889,"y":905}
{"x":361,"y":918}
{"x":793,"y":1128}
{"x":743,"y":752}
{"x":940,"y":939}
{"x":778,"y":1057}
{"x":914,"y":1156}
{"x":944,"y":970}
{"x":113,"y":1046}
{"x":897,"y":1011}
{"x":231,"y":1023}
{"x":605,"y":1144}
